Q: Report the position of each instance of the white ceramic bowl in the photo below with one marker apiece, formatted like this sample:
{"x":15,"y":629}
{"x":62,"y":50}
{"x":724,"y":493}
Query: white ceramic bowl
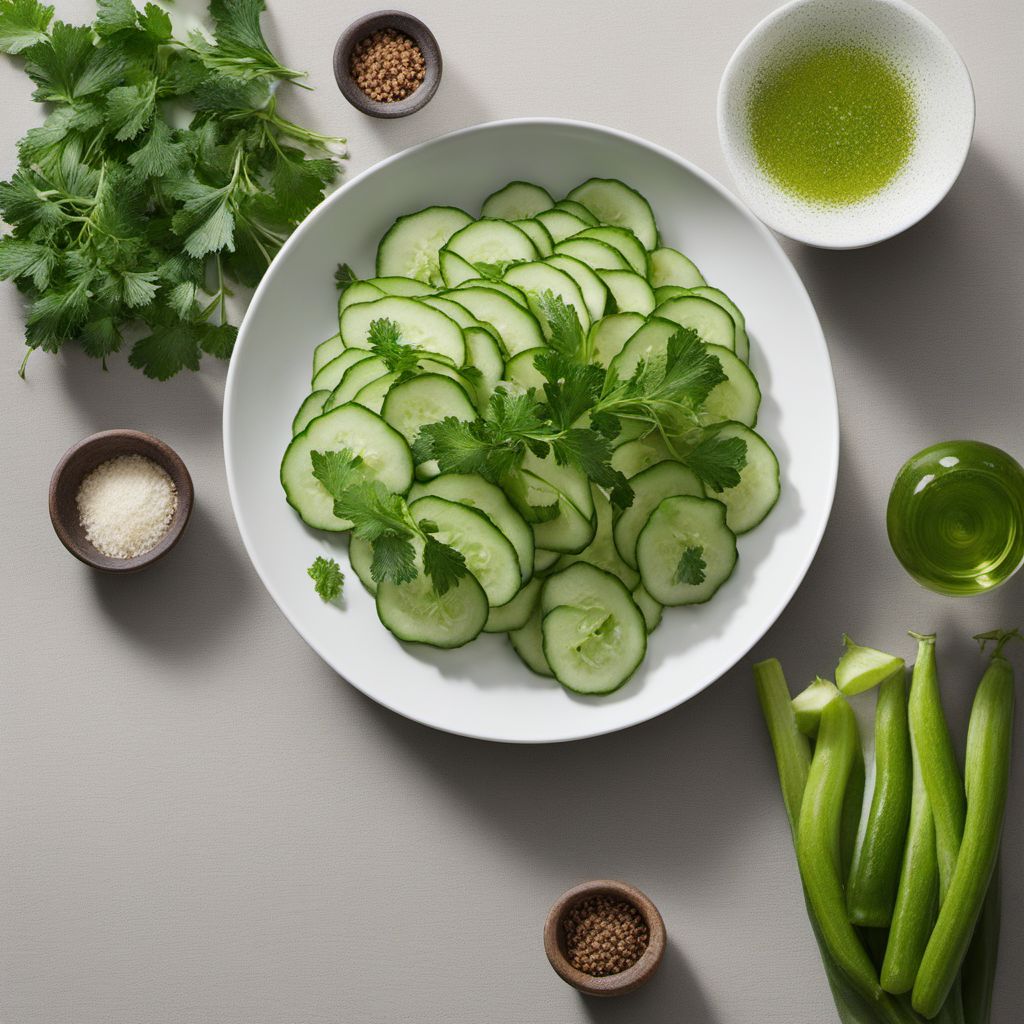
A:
{"x":483,"y":689}
{"x":942,"y":93}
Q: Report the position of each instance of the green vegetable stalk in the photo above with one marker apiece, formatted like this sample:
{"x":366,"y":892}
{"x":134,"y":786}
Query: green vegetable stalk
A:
{"x":979,"y":970}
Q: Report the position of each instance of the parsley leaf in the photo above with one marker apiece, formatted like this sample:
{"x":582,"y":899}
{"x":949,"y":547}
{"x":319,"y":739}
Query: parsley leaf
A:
{"x":168,"y":348}
{"x":385,"y":340}
{"x":327,"y":577}
{"x":344,"y":278}
{"x":691,"y":567}
{"x":23,"y":23}
{"x":443,"y":564}
{"x":563,"y":329}
{"x":718,"y":461}
{"x":114,"y":15}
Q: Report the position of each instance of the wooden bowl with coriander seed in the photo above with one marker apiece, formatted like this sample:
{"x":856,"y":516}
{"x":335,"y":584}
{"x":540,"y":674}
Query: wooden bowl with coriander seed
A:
{"x":387,"y":64}
{"x":120,"y":500}
{"x":605,"y":938}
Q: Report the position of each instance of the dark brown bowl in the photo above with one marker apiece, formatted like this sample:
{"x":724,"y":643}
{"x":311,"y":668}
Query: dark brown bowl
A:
{"x":611,"y":984}
{"x":82,"y":459}
{"x":418,"y":33}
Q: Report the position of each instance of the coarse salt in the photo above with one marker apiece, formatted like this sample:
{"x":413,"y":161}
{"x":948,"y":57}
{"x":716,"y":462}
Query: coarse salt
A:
{"x":126,"y":506}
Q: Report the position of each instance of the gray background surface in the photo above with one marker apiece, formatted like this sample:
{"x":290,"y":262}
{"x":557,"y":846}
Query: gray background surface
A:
{"x":200,"y":822}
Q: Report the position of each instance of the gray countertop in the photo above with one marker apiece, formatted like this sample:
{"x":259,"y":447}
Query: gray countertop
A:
{"x":201,"y":823}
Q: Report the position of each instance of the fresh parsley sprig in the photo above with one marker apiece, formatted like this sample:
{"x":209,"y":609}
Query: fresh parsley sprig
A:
{"x":383,"y":519}
{"x":328,"y":579}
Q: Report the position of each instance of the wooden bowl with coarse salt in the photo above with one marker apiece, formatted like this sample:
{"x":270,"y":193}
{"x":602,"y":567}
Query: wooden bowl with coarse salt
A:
{"x":120,"y":500}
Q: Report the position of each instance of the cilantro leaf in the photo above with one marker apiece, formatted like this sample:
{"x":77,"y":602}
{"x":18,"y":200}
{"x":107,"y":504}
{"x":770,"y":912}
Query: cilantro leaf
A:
{"x":328,"y":579}
{"x":691,"y":567}
{"x":160,"y":155}
{"x":336,"y":471}
{"x":443,"y":564}
{"x":718,"y":461}
{"x":26,"y":259}
{"x":591,"y":453}
{"x":114,"y":16}
{"x":130,"y":108}
{"x":385,"y":340}
{"x":156,"y":23}
{"x":205,"y":218}
{"x":69,"y":65}
{"x":169,"y":348}
{"x":298,"y":183}
{"x":344,"y":278}
{"x":23,"y":23}
{"x":394,"y":559}
{"x":239,"y":49}
{"x":101,"y":338}
{"x":564,"y":332}
{"x":494,"y":271}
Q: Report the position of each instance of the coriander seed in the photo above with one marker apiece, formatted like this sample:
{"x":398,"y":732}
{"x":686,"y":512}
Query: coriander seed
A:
{"x":604,"y":935}
{"x":387,"y":66}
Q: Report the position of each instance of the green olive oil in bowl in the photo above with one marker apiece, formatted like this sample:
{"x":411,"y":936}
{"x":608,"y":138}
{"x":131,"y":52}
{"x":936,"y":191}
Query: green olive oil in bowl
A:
{"x":956,"y":517}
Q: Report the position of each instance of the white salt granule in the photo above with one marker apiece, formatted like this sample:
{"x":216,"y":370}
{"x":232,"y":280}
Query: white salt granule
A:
{"x":126,"y":505}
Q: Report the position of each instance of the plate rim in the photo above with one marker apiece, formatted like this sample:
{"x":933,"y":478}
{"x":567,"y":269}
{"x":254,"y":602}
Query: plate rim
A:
{"x":230,"y":398}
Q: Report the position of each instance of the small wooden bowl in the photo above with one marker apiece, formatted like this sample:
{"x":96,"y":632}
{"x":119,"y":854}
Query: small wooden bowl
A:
{"x":82,"y":459}
{"x":407,"y":25}
{"x":612,"y":984}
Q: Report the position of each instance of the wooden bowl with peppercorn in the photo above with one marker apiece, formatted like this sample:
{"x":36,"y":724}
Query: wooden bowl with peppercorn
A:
{"x":387,"y":64}
{"x":605,"y":938}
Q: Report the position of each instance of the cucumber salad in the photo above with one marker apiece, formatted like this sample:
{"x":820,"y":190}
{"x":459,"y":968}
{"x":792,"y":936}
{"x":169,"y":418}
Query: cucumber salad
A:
{"x":537,"y":422}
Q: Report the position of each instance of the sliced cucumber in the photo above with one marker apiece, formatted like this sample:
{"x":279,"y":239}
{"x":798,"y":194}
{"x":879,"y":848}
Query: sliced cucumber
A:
{"x":577,"y":210}
{"x":372,"y":395}
{"x":517,"y":327}
{"x":428,"y":398}
{"x":451,"y":309}
{"x":384,"y":453}
{"x":610,"y":334}
{"x":520,"y":369}
{"x":420,"y":326}
{"x":738,"y":319}
{"x":737,"y":398}
{"x":454,"y":269}
{"x":678,"y":528}
{"x":495,"y":286}
{"x":401,"y":286}
{"x":669,"y":291}
{"x":517,"y":201}
{"x":312,"y":406}
{"x":560,"y":224}
{"x":568,"y":532}
{"x":516,"y":613}
{"x":667,"y":266}
{"x":329,"y":376}
{"x":360,"y":555}
{"x":410,"y":247}
{"x":474,"y":491}
{"x":649,"y":608}
{"x":618,"y":205}
{"x":492,"y":241}
{"x":594,"y":635}
{"x":597,"y":255}
{"x":758,"y":490}
{"x":537,"y":277}
{"x":539,"y":235}
{"x":356,"y":377}
{"x":595,"y":292}
{"x":528,"y":643}
{"x":416,"y":614}
{"x":630,"y":292}
{"x":326,"y":351}
{"x":484,"y":353}
{"x":625,"y":242}
{"x":361,"y":291}
{"x":707,"y":318}
{"x":649,"y":342}
{"x":650,"y":488}
{"x":571,"y":482}
{"x":635,"y":456}
{"x":601,"y":551}
{"x":489,"y":554}
{"x":543,"y":560}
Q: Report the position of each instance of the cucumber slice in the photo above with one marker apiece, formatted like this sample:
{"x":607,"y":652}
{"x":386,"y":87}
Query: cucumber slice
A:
{"x":517,"y":327}
{"x":484,"y":353}
{"x":354,"y":379}
{"x":618,"y":205}
{"x":446,"y":370}
{"x":738,"y":319}
{"x":560,"y":224}
{"x":634,"y":457}
{"x":649,"y":342}
{"x":601,"y":551}
{"x":528,"y":643}
{"x":668,"y":266}
{"x":625,"y":242}
{"x":474,"y":491}
{"x":489,"y":554}
{"x":738,"y":398}
{"x":428,"y":398}
{"x":452,"y":310}
{"x":650,"y":488}
{"x":568,"y":532}
{"x":492,"y":241}
{"x":330,"y":376}
{"x":516,"y":613}
{"x":454,"y":269}
{"x":360,"y":555}
{"x":570,"y":482}
{"x":577,"y":210}
{"x":610,"y":334}
{"x":416,"y":614}
{"x":669,"y":291}
{"x":630,"y":292}
{"x":537,"y":277}
{"x":707,"y":318}
{"x":594,"y":290}
{"x":495,"y":286}
{"x":520,"y":369}
{"x":677,"y":526}
{"x":410,"y":247}
{"x":372,"y":395}
{"x":649,"y":608}
{"x":594,"y":635}
{"x":543,"y":560}
{"x":361,"y":291}
{"x":539,"y":235}
{"x":517,"y":201}
{"x":597,"y":255}
{"x":312,"y":406}
{"x":326,"y":351}
{"x":758,"y":490}
{"x":386,"y":457}
{"x":421,"y":326}
{"x":406,"y":286}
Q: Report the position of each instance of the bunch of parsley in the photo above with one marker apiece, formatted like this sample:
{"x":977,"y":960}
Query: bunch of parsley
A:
{"x":127,"y":225}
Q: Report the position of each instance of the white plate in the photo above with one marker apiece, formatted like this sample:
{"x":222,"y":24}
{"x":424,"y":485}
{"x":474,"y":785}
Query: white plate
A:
{"x":483,"y":690}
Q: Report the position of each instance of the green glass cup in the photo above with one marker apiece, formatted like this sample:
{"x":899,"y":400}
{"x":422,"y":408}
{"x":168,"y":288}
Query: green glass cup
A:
{"x":956,"y":517}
